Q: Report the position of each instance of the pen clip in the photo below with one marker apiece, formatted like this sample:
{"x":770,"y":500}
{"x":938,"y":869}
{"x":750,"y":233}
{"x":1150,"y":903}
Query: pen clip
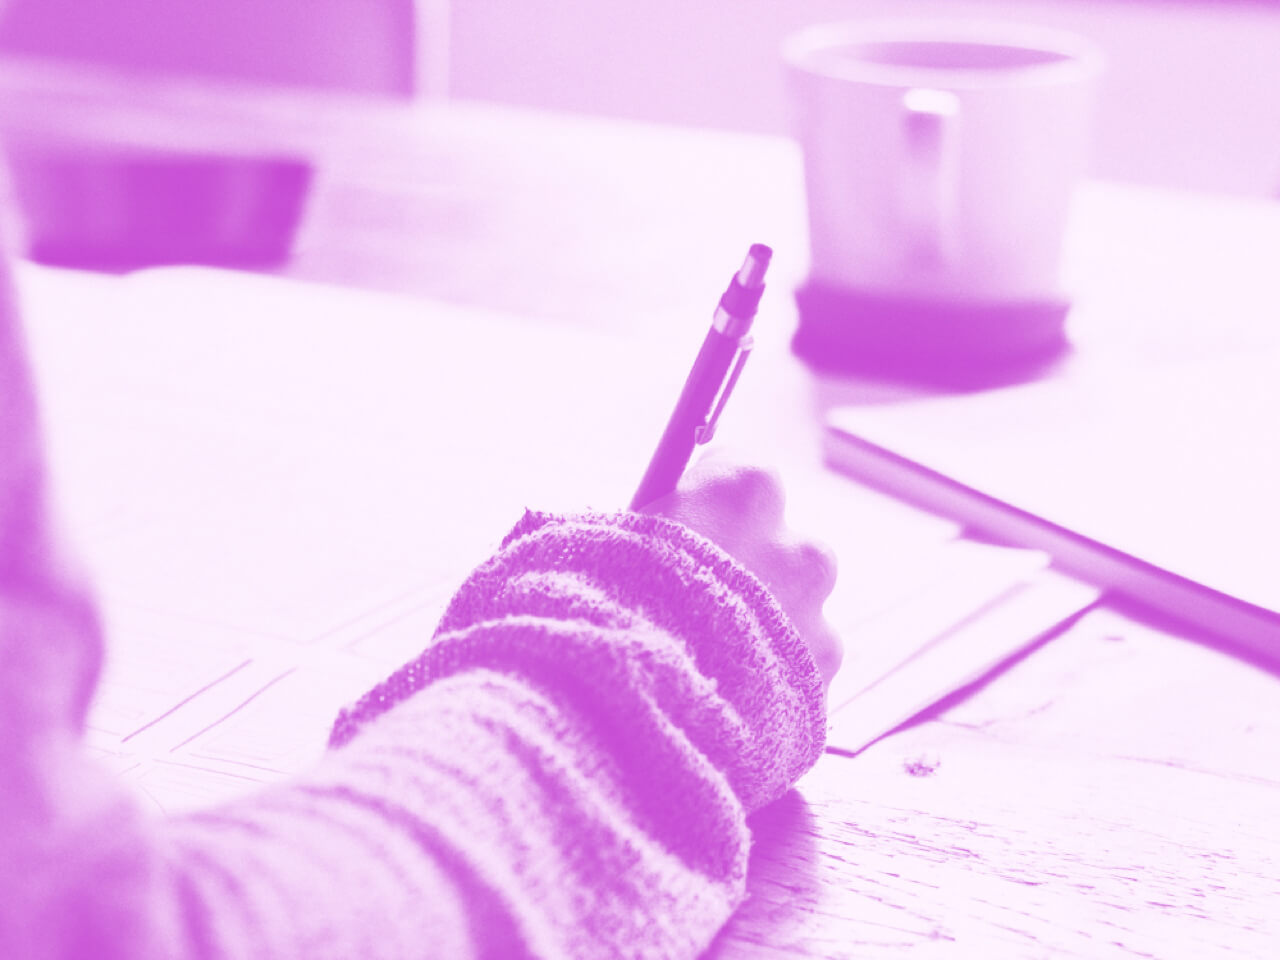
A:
{"x":704,"y":433}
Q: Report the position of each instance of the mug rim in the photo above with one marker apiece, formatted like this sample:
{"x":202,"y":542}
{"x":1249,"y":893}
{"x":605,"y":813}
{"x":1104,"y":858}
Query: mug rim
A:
{"x":1079,"y":58}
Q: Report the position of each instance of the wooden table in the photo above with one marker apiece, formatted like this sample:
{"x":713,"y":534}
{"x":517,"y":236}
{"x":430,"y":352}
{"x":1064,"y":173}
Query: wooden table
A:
{"x":1113,"y":794}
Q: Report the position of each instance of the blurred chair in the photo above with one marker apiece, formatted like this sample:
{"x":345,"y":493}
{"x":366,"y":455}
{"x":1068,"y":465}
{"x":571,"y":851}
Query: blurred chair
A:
{"x":89,"y":194}
{"x":363,"y":46}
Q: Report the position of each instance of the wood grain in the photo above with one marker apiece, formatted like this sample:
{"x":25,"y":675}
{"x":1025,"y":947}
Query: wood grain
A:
{"x":1113,"y":795}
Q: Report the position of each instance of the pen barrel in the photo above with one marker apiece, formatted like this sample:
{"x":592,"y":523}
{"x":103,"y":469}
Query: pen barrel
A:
{"x":692,"y":411}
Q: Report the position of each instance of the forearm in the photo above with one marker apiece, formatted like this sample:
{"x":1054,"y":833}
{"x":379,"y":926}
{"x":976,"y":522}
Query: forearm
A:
{"x":485,"y":814}
{"x":564,"y":773}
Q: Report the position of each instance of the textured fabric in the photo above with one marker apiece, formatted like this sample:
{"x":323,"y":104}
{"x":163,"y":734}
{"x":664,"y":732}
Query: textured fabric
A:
{"x":564,"y":772}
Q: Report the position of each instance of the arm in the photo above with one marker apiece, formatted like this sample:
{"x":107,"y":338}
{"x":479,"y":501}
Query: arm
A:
{"x":564,"y":772}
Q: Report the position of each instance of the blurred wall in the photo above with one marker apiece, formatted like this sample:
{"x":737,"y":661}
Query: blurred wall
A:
{"x":1192,"y":97}
{"x":358,"y":45}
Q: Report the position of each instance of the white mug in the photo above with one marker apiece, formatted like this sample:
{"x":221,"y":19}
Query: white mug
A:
{"x":940,"y":157}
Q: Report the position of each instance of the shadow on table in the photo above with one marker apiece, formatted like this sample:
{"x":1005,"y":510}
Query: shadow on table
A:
{"x":783,"y":888}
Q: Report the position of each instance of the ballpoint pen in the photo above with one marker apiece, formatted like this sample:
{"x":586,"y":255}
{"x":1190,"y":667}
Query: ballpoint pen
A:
{"x":707,"y":388}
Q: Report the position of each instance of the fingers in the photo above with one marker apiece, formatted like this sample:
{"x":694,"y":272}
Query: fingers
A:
{"x":825,"y":645}
{"x":803,"y":576}
{"x":811,"y":567}
{"x":753,"y":493}
{"x":741,"y":507}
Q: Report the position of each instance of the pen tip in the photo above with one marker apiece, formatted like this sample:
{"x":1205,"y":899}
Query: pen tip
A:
{"x":753,"y":268}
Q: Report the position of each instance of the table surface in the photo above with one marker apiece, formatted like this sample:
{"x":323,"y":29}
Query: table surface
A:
{"x":1113,"y":793}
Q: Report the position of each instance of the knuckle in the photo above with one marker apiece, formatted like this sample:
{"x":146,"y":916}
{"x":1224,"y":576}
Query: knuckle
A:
{"x":830,"y":654}
{"x":752,"y":491}
{"x":761,"y":489}
{"x":816,"y":565}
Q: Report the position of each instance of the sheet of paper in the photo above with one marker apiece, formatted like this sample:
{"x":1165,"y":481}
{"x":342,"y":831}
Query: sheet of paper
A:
{"x":949,"y":586}
{"x":958,"y":656}
{"x":277,"y":487}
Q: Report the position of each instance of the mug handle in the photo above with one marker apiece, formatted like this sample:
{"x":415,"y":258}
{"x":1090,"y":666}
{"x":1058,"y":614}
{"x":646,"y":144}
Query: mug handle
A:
{"x":927,"y":193}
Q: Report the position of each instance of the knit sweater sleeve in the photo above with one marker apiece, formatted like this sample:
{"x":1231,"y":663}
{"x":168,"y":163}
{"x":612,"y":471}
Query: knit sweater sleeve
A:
{"x":564,"y":772}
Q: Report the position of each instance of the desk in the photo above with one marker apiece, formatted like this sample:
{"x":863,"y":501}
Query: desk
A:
{"x":1113,"y":794}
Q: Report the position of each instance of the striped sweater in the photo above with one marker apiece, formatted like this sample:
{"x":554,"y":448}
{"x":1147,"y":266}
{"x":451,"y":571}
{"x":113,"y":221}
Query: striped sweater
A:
{"x":565,"y":771}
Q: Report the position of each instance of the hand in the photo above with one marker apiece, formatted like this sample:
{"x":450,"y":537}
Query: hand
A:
{"x":740,"y":508}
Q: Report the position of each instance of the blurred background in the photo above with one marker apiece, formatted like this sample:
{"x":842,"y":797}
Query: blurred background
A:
{"x":1192,"y":97}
